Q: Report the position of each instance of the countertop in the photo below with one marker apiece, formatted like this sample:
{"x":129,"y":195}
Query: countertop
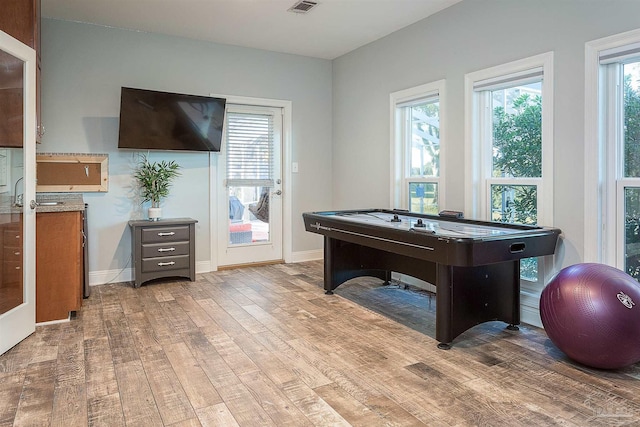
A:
{"x":65,"y":203}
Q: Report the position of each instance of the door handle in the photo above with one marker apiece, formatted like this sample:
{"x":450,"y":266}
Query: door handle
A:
{"x":277,"y":192}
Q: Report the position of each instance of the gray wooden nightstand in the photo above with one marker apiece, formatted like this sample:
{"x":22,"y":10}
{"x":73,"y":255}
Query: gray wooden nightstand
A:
{"x":163,"y":248}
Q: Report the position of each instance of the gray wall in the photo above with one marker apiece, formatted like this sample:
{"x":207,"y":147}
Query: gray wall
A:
{"x":470,"y":36}
{"x":83,"y":68}
{"x":340,"y":107}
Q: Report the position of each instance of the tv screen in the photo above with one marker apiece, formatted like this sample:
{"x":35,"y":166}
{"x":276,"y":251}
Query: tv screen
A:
{"x":152,"y":120}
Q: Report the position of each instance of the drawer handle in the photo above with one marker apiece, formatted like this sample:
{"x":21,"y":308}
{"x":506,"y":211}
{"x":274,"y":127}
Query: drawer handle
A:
{"x":164,"y":264}
{"x":166,"y":249}
{"x":170,"y":233}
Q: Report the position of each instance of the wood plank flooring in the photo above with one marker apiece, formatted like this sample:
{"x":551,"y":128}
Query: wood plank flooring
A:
{"x":263,"y":346}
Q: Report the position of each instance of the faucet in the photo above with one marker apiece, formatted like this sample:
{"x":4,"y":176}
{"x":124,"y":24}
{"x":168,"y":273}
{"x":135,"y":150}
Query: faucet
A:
{"x":17,"y":201}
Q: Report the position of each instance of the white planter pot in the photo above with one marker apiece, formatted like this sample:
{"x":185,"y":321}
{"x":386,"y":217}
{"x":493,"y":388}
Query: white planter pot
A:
{"x":155,"y":214}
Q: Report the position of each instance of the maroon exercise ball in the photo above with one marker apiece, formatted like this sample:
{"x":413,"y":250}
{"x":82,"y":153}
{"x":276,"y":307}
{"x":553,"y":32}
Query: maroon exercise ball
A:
{"x":590,"y":312}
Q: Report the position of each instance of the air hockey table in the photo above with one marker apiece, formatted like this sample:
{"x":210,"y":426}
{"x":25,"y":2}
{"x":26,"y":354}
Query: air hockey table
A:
{"x":474,"y":265}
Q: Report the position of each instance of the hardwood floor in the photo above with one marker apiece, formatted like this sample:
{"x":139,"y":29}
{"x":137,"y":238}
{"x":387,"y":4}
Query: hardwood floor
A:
{"x":264,"y":346}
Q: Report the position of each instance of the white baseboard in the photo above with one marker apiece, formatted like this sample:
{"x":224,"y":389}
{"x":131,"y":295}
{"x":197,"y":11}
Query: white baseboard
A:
{"x":54,"y":322}
{"x":126,"y":275}
{"x":110,"y":276}
{"x":303,"y":256}
{"x":203,"y":267}
{"x":530,"y":309}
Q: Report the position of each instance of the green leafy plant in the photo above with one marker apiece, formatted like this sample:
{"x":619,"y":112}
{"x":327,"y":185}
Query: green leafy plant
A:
{"x":155,"y":179}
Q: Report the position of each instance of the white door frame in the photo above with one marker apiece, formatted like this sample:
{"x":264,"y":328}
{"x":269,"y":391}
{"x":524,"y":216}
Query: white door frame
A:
{"x":214,"y":184}
{"x":20,"y":322}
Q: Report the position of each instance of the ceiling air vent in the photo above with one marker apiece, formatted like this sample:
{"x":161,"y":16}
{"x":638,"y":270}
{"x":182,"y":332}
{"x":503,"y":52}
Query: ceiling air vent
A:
{"x":303,"y":6}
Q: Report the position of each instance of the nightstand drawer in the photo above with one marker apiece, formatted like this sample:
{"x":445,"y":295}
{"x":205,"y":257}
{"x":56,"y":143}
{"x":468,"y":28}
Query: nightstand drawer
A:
{"x":152,"y":250}
{"x":165,"y":234}
{"x":165,"y":263}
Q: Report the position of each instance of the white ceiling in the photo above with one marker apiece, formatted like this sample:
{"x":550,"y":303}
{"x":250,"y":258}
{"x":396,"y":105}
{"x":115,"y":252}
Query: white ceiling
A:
{"x":331,"y":29}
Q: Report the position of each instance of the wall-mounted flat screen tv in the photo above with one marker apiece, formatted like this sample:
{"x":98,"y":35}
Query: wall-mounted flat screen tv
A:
{"x":152,"y":120}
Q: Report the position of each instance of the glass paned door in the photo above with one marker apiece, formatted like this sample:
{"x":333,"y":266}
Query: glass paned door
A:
{"x":249,"y":215}
{"x":252,"y":228}
{"x":250,"y":175}
{"x":17,"y":184}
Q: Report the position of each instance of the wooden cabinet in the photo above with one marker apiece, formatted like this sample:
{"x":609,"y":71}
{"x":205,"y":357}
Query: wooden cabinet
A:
{"x":163,"y":248}
{"x":59,"y":263}
{"x":11,"y":287}
{"x":21,"y":20}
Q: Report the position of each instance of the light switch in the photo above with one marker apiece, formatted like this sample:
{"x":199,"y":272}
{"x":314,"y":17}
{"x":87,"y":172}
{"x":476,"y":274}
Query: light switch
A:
{"x":294,"y":167}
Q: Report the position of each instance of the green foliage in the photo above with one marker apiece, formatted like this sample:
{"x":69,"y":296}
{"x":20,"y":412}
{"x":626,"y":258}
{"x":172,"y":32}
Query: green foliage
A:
{"x":421,"y":115}
{"x":517,"y":139}
{"x":155,"y":179}
{"x":632,"y":169}
{"x":521,"y":206}
{"x":631,"y":129}
{"x":517,"y":143}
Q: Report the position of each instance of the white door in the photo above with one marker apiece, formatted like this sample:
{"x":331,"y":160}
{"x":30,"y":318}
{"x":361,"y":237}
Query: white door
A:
{"x":250,"y":193}
{"x":17,"y":184}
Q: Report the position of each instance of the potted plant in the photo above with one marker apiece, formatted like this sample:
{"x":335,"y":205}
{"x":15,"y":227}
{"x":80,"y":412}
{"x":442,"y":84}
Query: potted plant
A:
{"x":155,"y":179}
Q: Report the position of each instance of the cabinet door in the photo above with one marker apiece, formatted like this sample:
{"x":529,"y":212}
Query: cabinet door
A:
{"x":58,"y":265}
{"x":21,"y":20}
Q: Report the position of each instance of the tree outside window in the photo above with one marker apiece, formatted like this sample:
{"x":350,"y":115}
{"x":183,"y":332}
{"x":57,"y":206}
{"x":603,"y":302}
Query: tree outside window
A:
{"x":517,"y":153}
{"x":631,"y":131}
{"x":424,"y":157}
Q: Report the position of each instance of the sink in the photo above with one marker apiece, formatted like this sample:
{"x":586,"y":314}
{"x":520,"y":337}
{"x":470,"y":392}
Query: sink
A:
{"x":51,"y":203}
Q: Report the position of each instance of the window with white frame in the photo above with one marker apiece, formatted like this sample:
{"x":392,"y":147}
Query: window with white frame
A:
{"x":618,"y":141}
{"x":509,"y":148}
{"x":417,"y":147}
